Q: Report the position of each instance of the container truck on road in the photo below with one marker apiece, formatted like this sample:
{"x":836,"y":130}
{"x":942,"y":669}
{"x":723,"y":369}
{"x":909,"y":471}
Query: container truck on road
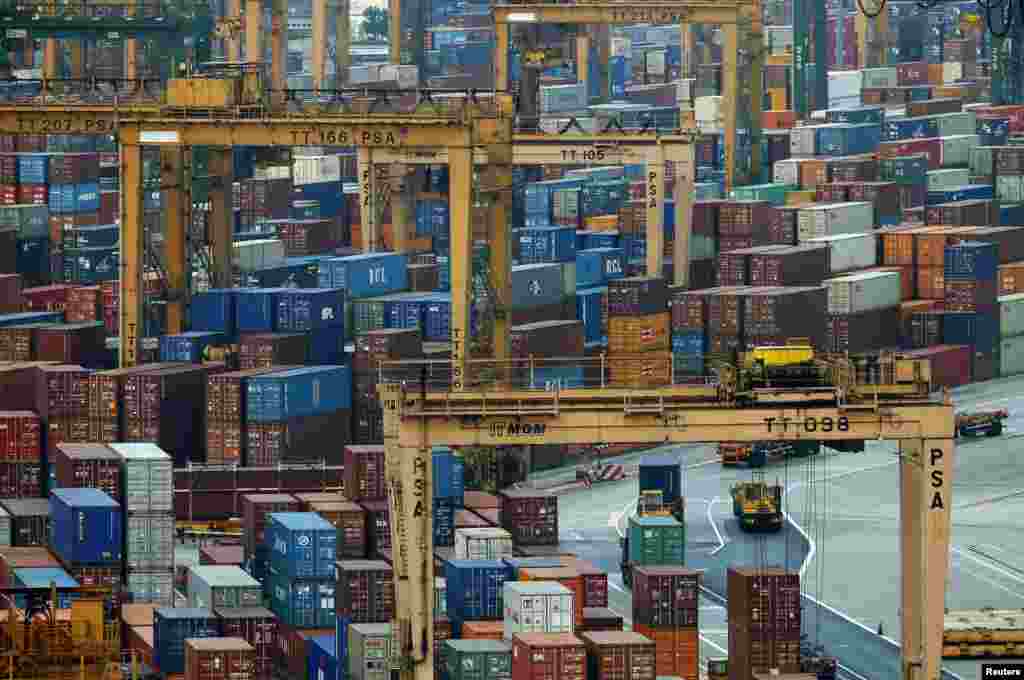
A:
{"x":987,"y":423}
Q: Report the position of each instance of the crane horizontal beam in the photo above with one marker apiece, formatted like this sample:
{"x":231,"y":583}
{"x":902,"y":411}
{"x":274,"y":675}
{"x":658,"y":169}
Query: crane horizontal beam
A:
{"x":721,"y":13}
{"x":111,"y":28}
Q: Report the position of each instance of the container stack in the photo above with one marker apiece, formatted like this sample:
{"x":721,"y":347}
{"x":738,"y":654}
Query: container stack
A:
{"x":639,"y":339}
{"x":971,"y":304}
{"x":560,"y":656}
{"x":530,"y":516}
{"x":373,"y":351}
{"x":863,"y":312}
{"x":290,"y":412}
{"x":147,"y":497}
{"x":226,"y":431}
{"x":172,"y":627}
{"x":543,"y":352}
{"x":365,"y":595}
{"x":87,"y":532}
{"x":300,"y":580}
{"x":257,"y":626}
{"x":222,"y":587}
{"x":61,"y":403}
{"x":20,"y":454}
{"x":217,"y":658}
{"x":665,"y":607}
{"x":764,"y":622}
{"x":88,"y":466}
{"x":448,"y":484}
{"x":255,"y":508}
{"x":365,"y":484}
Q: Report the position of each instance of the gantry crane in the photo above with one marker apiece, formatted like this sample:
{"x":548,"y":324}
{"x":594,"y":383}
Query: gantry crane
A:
{"x":479,"y":414}
{"x":735,"y":17}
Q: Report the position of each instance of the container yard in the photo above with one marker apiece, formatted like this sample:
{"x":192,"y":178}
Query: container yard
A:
{"x":517,"y":340}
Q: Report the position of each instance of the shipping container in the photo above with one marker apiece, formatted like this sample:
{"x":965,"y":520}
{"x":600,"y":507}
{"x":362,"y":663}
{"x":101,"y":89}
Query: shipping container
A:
{"x":219,"y":658}
{"x":302,"y":603}
{"x":661,"y":474}
{"x":656,"y":540}
{"x":637,"y":334}
{"x":258,"y":627}
{"x":548,"y":339}
{"x":297,"y":392}
{"x":301,"y":545}
{"x":222,"y":555}
{"x":365,"y":275}
{"x":478,"y":660}
{"x":171,"y":627}
{"x":530,"y":516}
{"x":364,"y":472}
{"x":599,"y":619}
{"x":254,"y":511}
{"x":848,"y":252}
{"x":217,"y":587}
{"x":20,"y":436}
{"x":619,"y":656}
{"x":537,"y":607}
{"x":482,"y":544}
{"x":369,"y":651}
{"x":29,"y":521}
{"x":365,"y":591}
{"x":558,"y":656}
{"x":676,"y":650}
{"x":665,"y":596}
{"x":86,"y":526}
{"x":862,"y":292}
{"x":215,"y":310}
{"x":350,"y":521}
{"x":147,"y":477}
{"x":149,"y":540}
{"x":475,"y":590}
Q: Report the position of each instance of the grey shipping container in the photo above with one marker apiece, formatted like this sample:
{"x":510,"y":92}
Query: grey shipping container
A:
{"x":536,"y":285}
{"x":146,"y":471}
{"x":30,"y":520}
{"x":152,"y":587}
{"x":149,"y":540}
{"x":369,"y":651}
{"x":212,"y":587}
{"x":5,"y":527}
{"x":478,"y":659}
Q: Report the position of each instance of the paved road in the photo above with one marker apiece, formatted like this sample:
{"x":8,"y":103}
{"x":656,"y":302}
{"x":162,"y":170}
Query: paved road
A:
{"x":846,"y":506}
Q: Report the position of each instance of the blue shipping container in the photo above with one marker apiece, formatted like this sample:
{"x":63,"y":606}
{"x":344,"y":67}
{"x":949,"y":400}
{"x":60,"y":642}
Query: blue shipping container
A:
{"x":906,"y":170}
{"x":297,"y":272}
{"x":85,"y":527}
{"x":326,"y":346}
{"x":19,"y":318}
{"x":552,"y":378}
{"x":312,"y":309}
{"x":322,"y":661}
{"x":448,"y":475}
{"x":444,"y":523}
{"x":596,"y":267}
{"x":474,"y":590}
{"x":517,"y":563}
{"x":171,"y":627}
{"x":860,"y":114}
{"x":590,"y":305}
{"x":547,"y":244}
{"x":306,"y":391}
{"x":911,"y":128}
{"x":43,"y":577}
{"x":189,"y":346}
{"x":33,"y":259}
{"x":437,"y":318}
{"x":980,"y":330}
{"x":366,"y":275}
{"x":301,"y":544}
{"x":302,"y":603}
{"x":33,"y":168}
{"x":215,"y":310}
{"x":256,"y":309}
{"x":600,"y":239}
{"x":87,"y":197}
{"x":971,"y":261}
{"x":91,"y":265}
{"x":1009,"y":214}
{"x":968,"y":192}
{"x":99,"y":236}
{"x":993,"y":131}
{"x":661,"y":473}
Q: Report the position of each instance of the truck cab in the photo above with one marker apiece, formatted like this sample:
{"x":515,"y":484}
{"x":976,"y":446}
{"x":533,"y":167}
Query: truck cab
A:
{"x":757,"y":505}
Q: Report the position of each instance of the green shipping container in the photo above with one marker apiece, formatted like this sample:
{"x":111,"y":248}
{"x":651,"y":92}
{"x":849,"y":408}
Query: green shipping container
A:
{"x":367,"y":315}
{"x":773,"y":193}
{"x":478,"y":659}
{"x":656,"y":541}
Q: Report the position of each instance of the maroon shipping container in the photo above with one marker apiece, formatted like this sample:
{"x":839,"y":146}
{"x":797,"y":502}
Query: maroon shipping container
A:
{"x":16,"y":381}
{"x":219,"y":658}
{"x":619,"y":656}
{"x":961,"y":213}
{"x":72,"y":343}
{"x":766,"y":599}
{"x":1009,"y":241}
{"x":87,"y":466}
{"x":10,"y":293}
{"x":389,"y":344}
{"x":547,"y":339}
{"x":885,"y":196}
{"x":863,"y":332}
{"x":74,"y":168}
{"x":258,"y":627}
{"x":293,"y":648}
{"x":307,"y":237}
{"x":30,"y":520}
{"x":256,"y":507}
{"x":705,"y":217}
{"x":853,"y":170}
{"x":224,"y":555}
{"x":773,"y":314}
{"x":272,"y":349}
{"x":688,"y":310}
{"x":350,"y":521}
{"x":725,"y":309}
{"x":744,"y":218}
{"x":599,"y":619}
{"x":378,"y":525}
{"x":215,"y":492}
{"x":23,"y":558}
{"x":805,"y":265}
{"x":925,"y":329}
{"x":984,"y":366}
{"x":105,"y":391}
{"x":548,"y":656}
{"x":950,"y":364}
{"x":53,"y":298}
{"x":20,"y":436}
{"x":85,"y":303}
{"x":665,"y":596}
{"x":755,"y":653}
{"x":531,"y":516}
{"x":929,"y":146}
{"x":783,"y":230}
{"x":157,"y":403}
{"x":490,"y":515}
{"x":31,"y":143}
{"x":33,"y":194}
{"x":365,"y":591}
{"x":18,"y":343}
{"x":832,"y":193}
{"x":423,"y":278}
{"x":909,"y":73}
{"x":21,"y":479}
{"x":109,"y":206}
{"x":595,"y":584}
{"x":477,"y":500}
{"x":442,"y":631}
{"x":934,"y":107}
{"x":60,"y":390}
{"x":93,"y":576}
{"x":364,"y":472}
{"x":9,"y":168}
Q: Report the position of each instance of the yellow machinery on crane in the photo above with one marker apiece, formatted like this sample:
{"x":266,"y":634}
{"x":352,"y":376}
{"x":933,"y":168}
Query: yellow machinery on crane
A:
{"x":480,"y":414}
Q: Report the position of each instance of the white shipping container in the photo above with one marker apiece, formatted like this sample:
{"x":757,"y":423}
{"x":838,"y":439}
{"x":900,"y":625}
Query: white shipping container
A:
{"x":684,"y":92}
{"x":708,"y":108}
{"x":405,"y":76}
{"x":537,"y":607}
{"x":981,"y":164}
{"x":1011,"y":356}
{"x":843,"y":85}
{"x":316,"y":169}
{"x":147,"y":477}
{"x":258,"y":254}
{"x":801,"y":141}
{"x":863,"y":292}
{"x":939,"y":180}
{"x":1011,"y":315}
{"x":778,"y":38}
{"x":655,"y":62}
{"x":880,"y":78}
{"x":621,"y":47}
{"x":787,"y":171}
{"x":847,"y":252}
{"x":829,"y":219}
{"x":483,"y":543}
{"x":569,"y":279}
{"x":956,"y":150}
{"x":363,"y":75}
{"x":1010,"y":188}
{"x":440,"y":596}
{"x":952,"y":71}
{"x":962,"y":123}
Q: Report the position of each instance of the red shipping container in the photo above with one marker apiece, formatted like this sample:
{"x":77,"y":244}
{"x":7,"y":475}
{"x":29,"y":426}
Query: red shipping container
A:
{"x":665,"y":596}
{"x":8,"y":168}
{"x":8,"y":194}
{"x":214,"y":493}
{"x":595,"y":585}
{"x":85,"y":303}
{"x":33,"y":194}
{"x":74,"y":168}
{"x":53,"y":298}
{"x":548,"y":656}
{"x":87,"y":466}
{"x":255,"y":625}
{"x":293,"y":648}
{"x":219,"y":658}
{"x":350,"y":521}
{"x":970,"y":296}
{"x":930,"y":146}
{"x":911,"y":73}
{"x":620,"y":655}
{"x":688,"y":311}
{"x":109,"y":207}
{"x":364,"y":472}
{"x":365,"y":591}
{"x":20,"y":436}
{"x":21,"y":479}
{"x":531,"y":516}
{"x":256,"y":507}
{"x":138,"y":640}
{"x":31,"y":143}
{"x":61,"y":391}
{"x":950,"y":364}
{"x":11,"y":299}
{"x":677,"y":650}
{"x":72,"y":343}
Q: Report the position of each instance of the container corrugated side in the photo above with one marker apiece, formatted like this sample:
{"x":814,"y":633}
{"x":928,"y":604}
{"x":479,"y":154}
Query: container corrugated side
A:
{"x":861,"y":292}
{"x":537,"y":607}
{"x":1011,"y":315}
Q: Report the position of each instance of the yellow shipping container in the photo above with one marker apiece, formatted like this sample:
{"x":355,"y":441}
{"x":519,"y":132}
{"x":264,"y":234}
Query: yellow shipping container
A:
{"x":799,"y":197}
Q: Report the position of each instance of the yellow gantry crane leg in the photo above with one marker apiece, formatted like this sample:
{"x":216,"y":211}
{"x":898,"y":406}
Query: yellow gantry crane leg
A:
{"x":278,"y":50}
{"x":872,"y":37}
{"x":460,"y":260}
{"x":254,"y":31}
{"x":319,"y":44}
{"x":220,"y":227}
{"x":77,"y":49}
{"x":172,"y":183}
{"x":402,"y":208}
{"x":342,"y":40}
{"x":497,"y":417}
{"x":132,"y":254}
{"x":233,"y":43}
{"x":51,"y":59}
{"x":395,"y":31}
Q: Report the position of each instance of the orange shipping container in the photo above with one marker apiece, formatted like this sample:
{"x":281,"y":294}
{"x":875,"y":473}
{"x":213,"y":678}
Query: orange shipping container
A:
{"x":931,"y":283}
{"x":898,"y":248}
{"x":930,"y":246}
{"x":935,"y":74}
{"x":677,"y":650}
{"x":568,"y":577}
{"x":800,"y":197}
{"x":813,"y":172}
{"x":601,"y":223}
{"x":1011,"y":278}
{"x":645,"y":370}
{"x":482,"y":630}
{"x":138,"y":641}
{"x":633,"y":334}
{"x":778,"y":120}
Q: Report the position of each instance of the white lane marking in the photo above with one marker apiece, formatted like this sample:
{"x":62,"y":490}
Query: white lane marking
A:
{"x":617,"y":586}
{"x":614,"y":519}
{"x":714,"y":525}
{"x":959,"y":566}
{"x":990,"y":547}
{"x":986,"y":563}
{"x":717,"y":647}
